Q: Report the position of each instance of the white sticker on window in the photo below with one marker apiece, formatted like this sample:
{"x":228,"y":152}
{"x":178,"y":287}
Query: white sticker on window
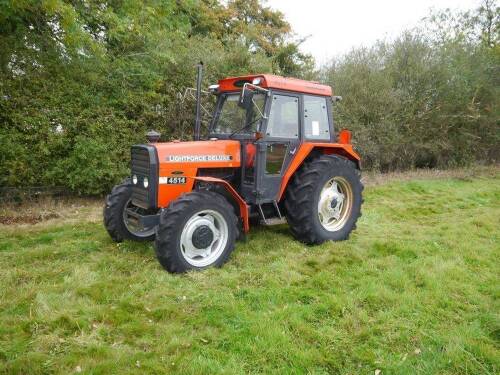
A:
{"x":315,"y":127}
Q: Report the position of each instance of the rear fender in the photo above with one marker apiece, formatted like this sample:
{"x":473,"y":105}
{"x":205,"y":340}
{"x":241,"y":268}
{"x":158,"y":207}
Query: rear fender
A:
{"x":308,"y":149}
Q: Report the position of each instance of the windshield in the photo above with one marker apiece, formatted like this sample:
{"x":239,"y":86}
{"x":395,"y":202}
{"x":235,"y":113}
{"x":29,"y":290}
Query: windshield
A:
{"x":231,"y":118}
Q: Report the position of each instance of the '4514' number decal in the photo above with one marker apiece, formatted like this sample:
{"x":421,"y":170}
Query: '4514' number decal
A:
{"x":173,"y":180}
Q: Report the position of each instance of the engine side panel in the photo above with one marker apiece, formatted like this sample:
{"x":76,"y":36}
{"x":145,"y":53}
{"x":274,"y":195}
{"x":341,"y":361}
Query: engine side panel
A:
{"x":179,"y":163}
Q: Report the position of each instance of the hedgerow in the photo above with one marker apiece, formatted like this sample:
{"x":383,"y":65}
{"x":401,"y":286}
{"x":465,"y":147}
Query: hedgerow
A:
{"x":80,"y":81}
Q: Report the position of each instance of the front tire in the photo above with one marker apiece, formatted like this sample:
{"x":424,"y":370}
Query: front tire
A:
{"x":118,"y":224}
{"x":196,"y":231}
{"x":323,"y":201}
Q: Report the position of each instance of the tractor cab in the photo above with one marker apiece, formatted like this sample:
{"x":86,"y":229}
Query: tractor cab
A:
{"x":271,"y":116}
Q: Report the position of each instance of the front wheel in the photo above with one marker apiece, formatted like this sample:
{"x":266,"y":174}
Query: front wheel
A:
{"x":323,"y":201}
{"x":196,"y":231}
{"x":119,"y":223}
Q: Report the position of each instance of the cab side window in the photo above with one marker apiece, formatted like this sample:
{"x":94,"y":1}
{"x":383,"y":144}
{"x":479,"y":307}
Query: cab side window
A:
{"x":284,"y":117}
{"x":316,"y":118}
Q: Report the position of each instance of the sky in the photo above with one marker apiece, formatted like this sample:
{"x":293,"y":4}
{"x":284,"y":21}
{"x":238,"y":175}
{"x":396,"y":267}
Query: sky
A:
{"x":336,"y":26}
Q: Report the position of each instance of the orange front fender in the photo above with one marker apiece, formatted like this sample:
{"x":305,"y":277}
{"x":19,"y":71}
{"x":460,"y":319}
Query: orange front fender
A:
{"x":238,"y":199}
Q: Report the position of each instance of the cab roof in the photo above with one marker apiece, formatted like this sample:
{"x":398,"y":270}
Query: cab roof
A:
{"x":276,"y":82}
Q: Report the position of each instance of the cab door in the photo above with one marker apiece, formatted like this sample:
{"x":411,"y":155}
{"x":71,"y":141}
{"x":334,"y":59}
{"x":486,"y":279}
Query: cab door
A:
{"x":278,"y":146}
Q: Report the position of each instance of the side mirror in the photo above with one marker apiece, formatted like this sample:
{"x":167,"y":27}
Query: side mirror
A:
{"x":246,"y":96}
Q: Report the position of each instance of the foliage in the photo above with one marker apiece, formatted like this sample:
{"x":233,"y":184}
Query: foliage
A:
{"x":81,"y":80}
{"x":414,"y":291}
{"x":85,"y":79}
{"x":429,"y":98}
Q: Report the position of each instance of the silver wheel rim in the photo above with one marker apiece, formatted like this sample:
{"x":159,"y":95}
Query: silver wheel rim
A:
{"x":206,"y":256}
{"x":335,"y":204}
{"x":131,"y":223}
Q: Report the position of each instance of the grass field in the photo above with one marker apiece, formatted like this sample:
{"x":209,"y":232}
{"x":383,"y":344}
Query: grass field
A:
{"x":414,"y":291}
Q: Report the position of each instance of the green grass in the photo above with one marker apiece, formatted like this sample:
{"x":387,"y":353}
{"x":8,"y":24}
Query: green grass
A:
{"x":414,"y":291}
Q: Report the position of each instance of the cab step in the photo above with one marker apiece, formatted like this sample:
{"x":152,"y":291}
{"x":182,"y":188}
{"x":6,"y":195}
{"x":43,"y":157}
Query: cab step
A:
{"x":273,"y":221}
{"x":280,"y":219}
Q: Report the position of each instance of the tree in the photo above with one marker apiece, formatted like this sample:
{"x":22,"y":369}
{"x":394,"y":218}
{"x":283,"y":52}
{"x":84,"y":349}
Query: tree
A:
{"x":429,"y":98}
{"x":81,"y":80}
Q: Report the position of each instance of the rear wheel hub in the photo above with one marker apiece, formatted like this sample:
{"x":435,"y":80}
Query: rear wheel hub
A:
{"x":335,"y":203}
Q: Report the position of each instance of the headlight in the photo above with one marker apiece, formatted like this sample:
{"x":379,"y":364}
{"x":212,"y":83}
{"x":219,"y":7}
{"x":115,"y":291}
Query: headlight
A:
{"x":145,"y":182}
{"x":134,"y":179}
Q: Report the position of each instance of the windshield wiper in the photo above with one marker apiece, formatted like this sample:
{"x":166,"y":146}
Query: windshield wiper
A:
{"x":244,"y":127}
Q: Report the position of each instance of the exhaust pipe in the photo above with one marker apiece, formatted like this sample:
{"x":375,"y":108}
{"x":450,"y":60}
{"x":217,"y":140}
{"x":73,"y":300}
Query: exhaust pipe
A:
{"x":197,"y":124}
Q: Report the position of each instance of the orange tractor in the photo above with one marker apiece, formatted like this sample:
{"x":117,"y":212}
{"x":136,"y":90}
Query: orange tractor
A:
{"x":271,"y":154}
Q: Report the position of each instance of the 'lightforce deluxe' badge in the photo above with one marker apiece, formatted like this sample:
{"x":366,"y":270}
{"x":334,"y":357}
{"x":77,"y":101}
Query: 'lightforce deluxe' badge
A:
{"x":197,"y":158}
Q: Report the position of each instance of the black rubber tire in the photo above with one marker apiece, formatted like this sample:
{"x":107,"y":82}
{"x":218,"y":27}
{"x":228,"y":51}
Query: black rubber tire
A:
{"x":176,"y":215}
{"x":302,"y":195}
{"x":113,"y":214}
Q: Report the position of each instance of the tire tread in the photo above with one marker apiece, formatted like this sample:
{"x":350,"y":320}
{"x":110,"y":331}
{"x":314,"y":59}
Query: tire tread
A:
{"x":299,"y":196}
{"x":166,"y":231}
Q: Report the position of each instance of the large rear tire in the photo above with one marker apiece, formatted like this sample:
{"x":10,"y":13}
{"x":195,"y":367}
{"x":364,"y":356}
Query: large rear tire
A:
{"x":323,"y":201}
{"x":118,"y":224}
{"x":196,"y":231}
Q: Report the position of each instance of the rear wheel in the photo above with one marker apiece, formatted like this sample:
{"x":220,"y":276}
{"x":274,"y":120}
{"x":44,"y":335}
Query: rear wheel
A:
{"x":323,"y":201}
{"x":196,"y":231}
{"x":117,"y":219}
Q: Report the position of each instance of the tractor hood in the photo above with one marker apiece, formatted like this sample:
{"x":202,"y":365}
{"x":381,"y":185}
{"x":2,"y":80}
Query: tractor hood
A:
{"x":179,"y":163}
{"x":187,"y":157}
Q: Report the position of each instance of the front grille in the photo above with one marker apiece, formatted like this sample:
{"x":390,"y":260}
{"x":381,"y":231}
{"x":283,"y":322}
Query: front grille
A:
{"x":144,"y":163}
